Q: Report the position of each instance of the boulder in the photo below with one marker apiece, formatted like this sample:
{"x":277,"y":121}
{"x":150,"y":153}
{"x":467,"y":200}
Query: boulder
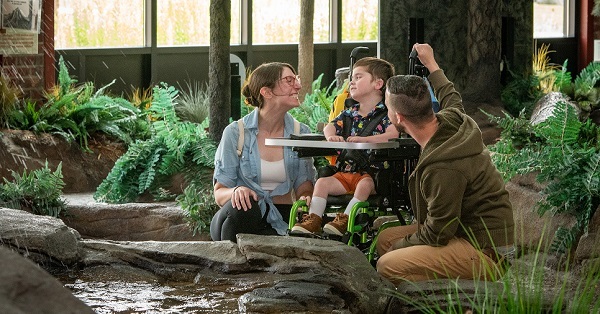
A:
{"x":532,"y":231}
{"x":46,"y":240}
{"x":279,"y":273}
{"x":82,"y":171}
{"x":158,"y":221}
{"x":25,"y":288}
{"x":544,"y":107}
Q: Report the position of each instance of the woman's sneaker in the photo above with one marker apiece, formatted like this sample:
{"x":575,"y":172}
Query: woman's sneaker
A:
{"x":338,"y":226}
{"x":310,"y":223}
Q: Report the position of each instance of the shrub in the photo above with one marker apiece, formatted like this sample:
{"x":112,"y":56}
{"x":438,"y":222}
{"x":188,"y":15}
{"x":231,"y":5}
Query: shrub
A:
{"x":174,"y":146}
{"x":316,"y":106}
{"x":193,"y":103}
{"x":566,"y":154}
{"x":9,"y":97}
{"x":77,"y":112}
{"x":38,"y":191}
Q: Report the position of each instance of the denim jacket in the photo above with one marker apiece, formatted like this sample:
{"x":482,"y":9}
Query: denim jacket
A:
{"x":231,"y":170}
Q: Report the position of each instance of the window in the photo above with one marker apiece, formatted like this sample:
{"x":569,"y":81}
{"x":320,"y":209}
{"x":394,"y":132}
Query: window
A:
{"x":278,"y":22}
{"x":98,"y":23}
{"x":360,"y":20}
{"x":185,"y":23}
{"x":553,"y":18}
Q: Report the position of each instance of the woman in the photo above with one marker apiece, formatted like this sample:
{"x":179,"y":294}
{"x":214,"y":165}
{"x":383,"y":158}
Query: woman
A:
{"x":256,"y":188}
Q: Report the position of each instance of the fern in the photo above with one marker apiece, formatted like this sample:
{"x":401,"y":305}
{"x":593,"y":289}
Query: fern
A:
{"x":38,"y":191}
{"x":174,"y":146}
{"x":587,"y":87}
{"x":198,"y":205}
{"x":316,"y":106}
{"x":565,"y":153}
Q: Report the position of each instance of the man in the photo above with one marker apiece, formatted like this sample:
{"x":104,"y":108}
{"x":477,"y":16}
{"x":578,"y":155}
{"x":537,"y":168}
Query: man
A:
{"x":464,"y":221}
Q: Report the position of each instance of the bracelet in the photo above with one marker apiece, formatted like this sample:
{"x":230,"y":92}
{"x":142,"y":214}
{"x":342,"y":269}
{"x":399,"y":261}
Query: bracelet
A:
{"x":235,"y":188}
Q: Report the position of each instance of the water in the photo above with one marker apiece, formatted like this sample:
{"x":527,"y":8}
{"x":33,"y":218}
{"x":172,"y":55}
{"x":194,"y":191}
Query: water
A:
{"x":107,"y":291}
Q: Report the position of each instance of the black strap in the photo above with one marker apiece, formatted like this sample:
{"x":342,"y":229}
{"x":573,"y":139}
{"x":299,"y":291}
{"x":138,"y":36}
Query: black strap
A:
{"x":373,"y":122}
{"x":359,"y":158}
{"x":368,"y":129}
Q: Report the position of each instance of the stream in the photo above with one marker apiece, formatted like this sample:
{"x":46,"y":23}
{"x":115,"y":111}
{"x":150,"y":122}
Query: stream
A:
{"x":110,"y":290}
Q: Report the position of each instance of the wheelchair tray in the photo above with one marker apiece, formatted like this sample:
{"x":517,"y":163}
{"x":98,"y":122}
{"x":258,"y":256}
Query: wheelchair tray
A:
{"x":281,"y":141}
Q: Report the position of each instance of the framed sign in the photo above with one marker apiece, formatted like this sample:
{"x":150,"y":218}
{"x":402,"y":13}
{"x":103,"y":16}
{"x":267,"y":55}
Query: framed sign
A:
{"x":24,"y":15}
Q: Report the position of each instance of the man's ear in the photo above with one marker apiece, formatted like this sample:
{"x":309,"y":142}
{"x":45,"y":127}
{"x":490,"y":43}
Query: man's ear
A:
{"x":399,"y":118}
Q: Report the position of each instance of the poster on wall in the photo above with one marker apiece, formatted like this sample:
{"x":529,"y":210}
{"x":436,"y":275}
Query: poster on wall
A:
{"x":23,"y":15}
{"x":17,"y":42}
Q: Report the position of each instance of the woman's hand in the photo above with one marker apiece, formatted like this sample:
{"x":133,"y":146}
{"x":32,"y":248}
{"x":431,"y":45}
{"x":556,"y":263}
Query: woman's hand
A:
{"x":240,"y":197}
{"x":306,"y":198}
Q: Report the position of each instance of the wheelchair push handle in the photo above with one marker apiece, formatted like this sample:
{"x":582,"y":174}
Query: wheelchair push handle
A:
{"x":358,"y":50}
{"x":355,"y":52}
{"x":415,"y":67}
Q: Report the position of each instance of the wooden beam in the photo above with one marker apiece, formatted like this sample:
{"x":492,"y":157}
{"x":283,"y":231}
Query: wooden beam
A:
{"x":586,"y":34}
{"x":48,"y":46}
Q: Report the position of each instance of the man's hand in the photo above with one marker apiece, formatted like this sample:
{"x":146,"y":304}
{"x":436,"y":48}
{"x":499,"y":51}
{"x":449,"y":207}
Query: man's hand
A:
{"x":425,"y":54}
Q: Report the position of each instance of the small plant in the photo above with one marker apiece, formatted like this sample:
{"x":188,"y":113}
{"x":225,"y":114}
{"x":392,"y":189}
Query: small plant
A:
{"x":193,"y":103}
{"x":9,"y":97}
{"x":38,"y":191}
{"x":141,"y":98}
{"x":522,"y":92}
{"x":524,"y":289}
{"x":199,"y":205}
{"x":587,"y":88}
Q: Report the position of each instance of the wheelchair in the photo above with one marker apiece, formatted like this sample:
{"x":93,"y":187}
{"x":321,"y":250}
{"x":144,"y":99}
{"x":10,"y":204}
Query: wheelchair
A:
{"x":391,"y":201}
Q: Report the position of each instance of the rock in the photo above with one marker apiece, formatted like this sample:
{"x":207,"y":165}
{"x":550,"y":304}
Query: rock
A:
{"x":159,"y":221}
{"x":25,"y":288}
{"x":45,"y":240}
{"x":533,"y":232}
{"x":278,"y":266}
{"x":588,"y":247}
{"x":544,"y":107}
{"x":82,"y":171}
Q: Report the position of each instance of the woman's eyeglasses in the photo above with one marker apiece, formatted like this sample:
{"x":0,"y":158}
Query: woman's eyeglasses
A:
{"x":291,"y":79}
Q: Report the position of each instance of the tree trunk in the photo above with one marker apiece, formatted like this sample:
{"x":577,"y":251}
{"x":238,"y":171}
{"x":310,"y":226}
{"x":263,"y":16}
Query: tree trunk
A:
{"x":483,"y":51}
{"x":306,"y":58}
{"x":219,"y":69}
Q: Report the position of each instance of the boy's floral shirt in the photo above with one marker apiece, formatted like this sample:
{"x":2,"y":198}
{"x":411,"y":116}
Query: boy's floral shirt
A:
{"x":358,"y":123}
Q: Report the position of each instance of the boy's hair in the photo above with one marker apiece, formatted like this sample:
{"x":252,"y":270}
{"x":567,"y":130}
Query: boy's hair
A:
{"x":409,"y":96}
{"x":378,"y":68}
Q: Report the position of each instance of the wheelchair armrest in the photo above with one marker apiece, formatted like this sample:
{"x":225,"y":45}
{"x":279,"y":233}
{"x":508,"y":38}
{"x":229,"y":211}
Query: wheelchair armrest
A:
{"x":308,"y":137}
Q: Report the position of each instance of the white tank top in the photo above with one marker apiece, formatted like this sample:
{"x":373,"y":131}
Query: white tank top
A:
{"x":273,"y":174}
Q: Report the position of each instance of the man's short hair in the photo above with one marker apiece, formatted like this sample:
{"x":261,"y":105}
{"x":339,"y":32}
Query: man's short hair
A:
{"x":409,"y":96}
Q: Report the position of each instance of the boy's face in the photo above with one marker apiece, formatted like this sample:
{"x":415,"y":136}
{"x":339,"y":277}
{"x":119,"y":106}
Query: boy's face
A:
{"x":364,"y":84}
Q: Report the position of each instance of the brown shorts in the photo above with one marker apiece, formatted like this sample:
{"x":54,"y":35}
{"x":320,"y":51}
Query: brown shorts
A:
{"x":350,"y":179}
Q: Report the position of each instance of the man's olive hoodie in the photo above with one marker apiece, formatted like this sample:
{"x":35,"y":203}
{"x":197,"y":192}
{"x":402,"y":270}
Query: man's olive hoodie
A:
{"x":455,"y":189}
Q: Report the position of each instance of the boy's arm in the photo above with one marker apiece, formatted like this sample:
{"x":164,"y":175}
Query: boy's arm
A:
{"x":330,"y":133}
{"x":390,"y":133}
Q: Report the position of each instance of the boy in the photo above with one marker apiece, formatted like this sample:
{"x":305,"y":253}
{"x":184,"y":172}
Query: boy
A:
{"x":367,"y":87}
